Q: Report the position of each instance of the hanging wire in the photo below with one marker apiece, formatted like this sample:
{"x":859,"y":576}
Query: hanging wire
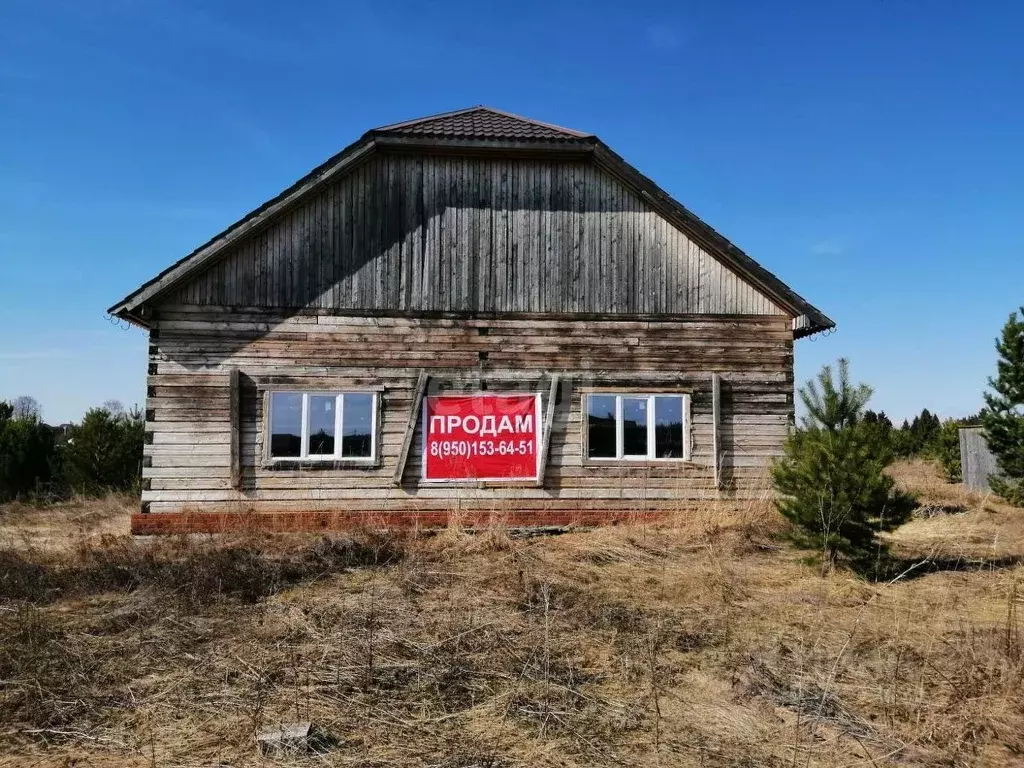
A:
{"x":823,"y":334}
{"x":117,"y":322}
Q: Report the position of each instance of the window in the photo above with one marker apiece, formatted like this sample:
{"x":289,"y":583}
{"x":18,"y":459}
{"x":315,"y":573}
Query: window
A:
{"x":323,"y":426}
{"x":637,"y":427}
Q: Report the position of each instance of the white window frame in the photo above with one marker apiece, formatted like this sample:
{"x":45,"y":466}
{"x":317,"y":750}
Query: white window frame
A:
{"x":620,"y":455}
{"x":339,"y":421}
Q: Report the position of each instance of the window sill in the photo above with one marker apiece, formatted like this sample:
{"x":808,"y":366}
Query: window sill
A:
{"x":637,"y":463}
{"x":290,"y":465}
{"x":531,"y":483}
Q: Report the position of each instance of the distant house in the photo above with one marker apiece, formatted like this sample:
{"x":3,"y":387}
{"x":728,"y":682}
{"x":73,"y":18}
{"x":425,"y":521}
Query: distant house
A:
{"x":472,"y":313}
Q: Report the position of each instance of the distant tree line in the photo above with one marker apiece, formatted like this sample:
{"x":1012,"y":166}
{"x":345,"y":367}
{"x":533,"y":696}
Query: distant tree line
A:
{"x":925,"y":437}
{"x":38,"y":461}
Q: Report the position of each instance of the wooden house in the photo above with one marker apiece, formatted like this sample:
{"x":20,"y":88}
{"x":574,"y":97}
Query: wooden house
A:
{"x":471,"y":313}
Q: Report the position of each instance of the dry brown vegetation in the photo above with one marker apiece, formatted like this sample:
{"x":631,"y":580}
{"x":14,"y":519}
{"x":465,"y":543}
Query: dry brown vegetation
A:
{"x":705,"y":642}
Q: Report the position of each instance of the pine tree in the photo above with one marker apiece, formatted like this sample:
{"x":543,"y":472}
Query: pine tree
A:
{"x":26,"y":450}
{"x":881,"y":423}
{"x":947,"y":449}
{"x":1003,"y":418}
{"x":104,"y":452}
{"x":830,"y":482}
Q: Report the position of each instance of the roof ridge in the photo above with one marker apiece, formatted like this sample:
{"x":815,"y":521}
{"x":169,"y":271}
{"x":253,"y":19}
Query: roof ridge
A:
{"x":480,"y":108}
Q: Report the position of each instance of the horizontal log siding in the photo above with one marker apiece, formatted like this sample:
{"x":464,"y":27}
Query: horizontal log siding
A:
{"x":406,"y":233}
{"x":188,"y":409}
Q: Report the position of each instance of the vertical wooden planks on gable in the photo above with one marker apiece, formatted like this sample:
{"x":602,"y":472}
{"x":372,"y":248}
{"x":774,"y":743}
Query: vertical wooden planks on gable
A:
{"x":600,"y":229}
{"x":514,"y":238}
{"x":435,"y":208}
{"x":481,"y":235}
{"x":391,"y":227}
{"x":406,"y":222}
{"x":693,"y":276}
{"x":358,"y":256}
{"x":467,"y":256}
{"x":317,"y":249}
{"x":308,"y":265}
{"x":371,"y":260}
{"x":500,"y":236}
{"x":708,"y":284}
{"x":680,"y":301}
{"x":444,"y":233}
{"x":328,"y":285}
{"x":555,"y":278}
{"x":447,"y":239}
{"x":534,"y":244}
{"x":342,"y":282}
{"x":273,"y":271}
{"x":418,"y":242}
{"x":577,"y":233}
{"x":520,"y":239}
{"x":592,"y":251}
{"x":326,"y":238}
{"x":542,"y":205}
{"x":284,"y":264}
{"x":432,"y":221}
{"x":292,"y":247}
{"x":625,"y":266}
{"x":479,"y":251}
{"x":613,"y":222}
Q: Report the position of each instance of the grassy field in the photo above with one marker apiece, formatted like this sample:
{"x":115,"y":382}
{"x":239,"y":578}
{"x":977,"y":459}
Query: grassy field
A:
{"x":706,"y":642}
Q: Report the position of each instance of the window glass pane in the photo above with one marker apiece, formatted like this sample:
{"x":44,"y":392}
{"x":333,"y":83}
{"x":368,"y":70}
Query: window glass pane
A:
{"x":634,"y":426}
{"x":601,"y":426}
{"x":668,"y":427}
{"x":285,"y":424}
{"x":357,"y":427}
{"x":321,"y":424}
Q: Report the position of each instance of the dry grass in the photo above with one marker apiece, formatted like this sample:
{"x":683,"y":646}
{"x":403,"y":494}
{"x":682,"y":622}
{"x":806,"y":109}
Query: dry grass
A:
{"x":67,"y":525}
{"x":702,"y":643}
{"x":954,"y":522}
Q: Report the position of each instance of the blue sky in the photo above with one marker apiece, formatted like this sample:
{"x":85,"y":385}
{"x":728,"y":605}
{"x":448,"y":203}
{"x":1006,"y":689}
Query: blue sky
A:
{"x":870,"y":154}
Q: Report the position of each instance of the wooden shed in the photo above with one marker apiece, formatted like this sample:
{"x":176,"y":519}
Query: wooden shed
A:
{"x":472,"y":313}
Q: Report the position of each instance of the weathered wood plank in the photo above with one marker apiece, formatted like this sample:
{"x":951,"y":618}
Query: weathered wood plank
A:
{"x":417,"y":402}
{"x":190,"y":395}
{"x":549,"y":423}
{"x":472,"y":234}
{"x":236,"y":426}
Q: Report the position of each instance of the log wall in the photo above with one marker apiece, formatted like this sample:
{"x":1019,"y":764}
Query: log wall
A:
{"x":188,"y":456}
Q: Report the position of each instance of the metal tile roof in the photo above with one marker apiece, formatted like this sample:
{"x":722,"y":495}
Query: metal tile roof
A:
{"x":481,"y":123}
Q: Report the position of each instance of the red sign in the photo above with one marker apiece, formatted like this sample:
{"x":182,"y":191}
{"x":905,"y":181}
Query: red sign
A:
{"x":481,"y":437}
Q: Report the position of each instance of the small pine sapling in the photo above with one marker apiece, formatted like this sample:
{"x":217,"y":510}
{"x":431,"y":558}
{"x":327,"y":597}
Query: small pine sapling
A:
{"x":830,"y":482}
